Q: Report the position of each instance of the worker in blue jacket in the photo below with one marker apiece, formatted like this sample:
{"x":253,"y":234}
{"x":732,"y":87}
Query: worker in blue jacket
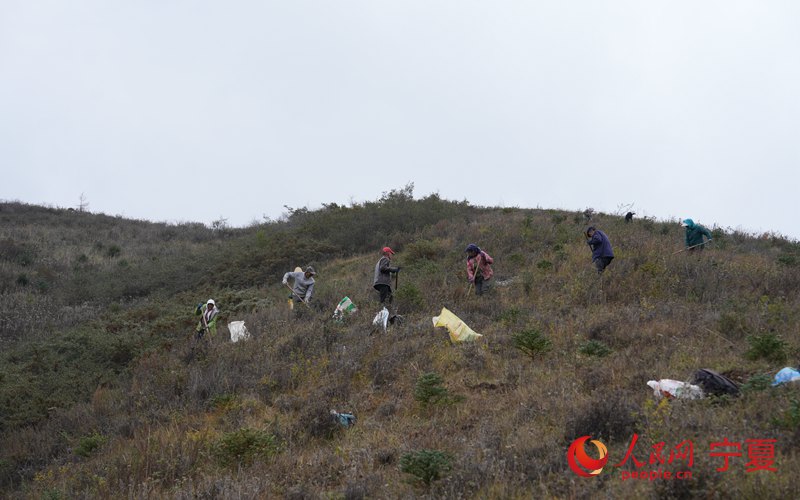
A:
{"x":602,"y":253}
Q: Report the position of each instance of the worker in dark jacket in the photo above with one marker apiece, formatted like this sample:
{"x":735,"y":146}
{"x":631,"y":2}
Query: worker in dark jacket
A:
{"x":382,"y":281}
{"x":602,"y":253}
{"x":694,"y":235}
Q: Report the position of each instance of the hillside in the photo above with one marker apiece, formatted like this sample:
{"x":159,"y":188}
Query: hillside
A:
{"x":100,"y":398}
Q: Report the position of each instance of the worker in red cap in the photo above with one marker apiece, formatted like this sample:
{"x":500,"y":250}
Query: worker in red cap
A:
{"x":383,"y":277}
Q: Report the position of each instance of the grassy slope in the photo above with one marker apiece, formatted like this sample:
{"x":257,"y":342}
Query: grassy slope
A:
{"x":98,"y":400}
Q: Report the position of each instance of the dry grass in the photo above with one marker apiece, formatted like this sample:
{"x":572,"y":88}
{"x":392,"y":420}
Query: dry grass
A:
{"x":662,"y":316}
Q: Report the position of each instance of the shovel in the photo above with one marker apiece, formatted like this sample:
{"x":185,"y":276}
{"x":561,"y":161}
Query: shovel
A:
{"x":299,"y":297}
{"x":474,"y":275}
{"x":693,"y":246}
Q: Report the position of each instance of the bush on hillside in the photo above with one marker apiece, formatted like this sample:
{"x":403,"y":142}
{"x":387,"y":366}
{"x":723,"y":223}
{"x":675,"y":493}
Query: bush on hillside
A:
{"x":426,"y":465}
{"x":243,"y":446}
{"x":429,"y":389}
{"x":769,"y":346}
{"x":88,"y":445}
{"x":595,"y":348}
{"x":531,"y":342}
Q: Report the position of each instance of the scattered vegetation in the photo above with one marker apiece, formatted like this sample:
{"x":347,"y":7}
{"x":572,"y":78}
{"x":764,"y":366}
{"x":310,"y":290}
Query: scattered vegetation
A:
{"x":99,"y":397}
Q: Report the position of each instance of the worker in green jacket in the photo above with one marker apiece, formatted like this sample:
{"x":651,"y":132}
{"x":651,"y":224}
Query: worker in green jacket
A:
{"x":694,"y":235}
{"x":208,"y":313}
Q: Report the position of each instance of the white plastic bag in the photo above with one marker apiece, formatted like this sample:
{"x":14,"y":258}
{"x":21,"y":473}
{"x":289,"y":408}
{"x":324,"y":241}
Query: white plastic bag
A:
{"x":238,"y":331}
{"x":671,"y":389}
{"x":381,"y":319}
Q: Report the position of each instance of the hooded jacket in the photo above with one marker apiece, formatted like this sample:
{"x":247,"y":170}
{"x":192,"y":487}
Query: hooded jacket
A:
{"x":695,"y":233}
{"x":210,"y":316}
{"x":303,"y":287}
{"x":600,"y":245}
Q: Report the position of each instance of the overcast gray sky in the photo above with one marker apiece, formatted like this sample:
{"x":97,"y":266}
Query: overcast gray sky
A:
{"x":188,"y":110}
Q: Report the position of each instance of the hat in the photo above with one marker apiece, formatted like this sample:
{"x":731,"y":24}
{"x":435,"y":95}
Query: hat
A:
{"x":311,"y":270}
{"x":472,"y":247}
{"x":387,"y":250}
{"x":211,"y":301}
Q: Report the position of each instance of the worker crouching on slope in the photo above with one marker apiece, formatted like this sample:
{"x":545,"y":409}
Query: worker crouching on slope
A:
{"x":479,"y":268}
{"x":382,"y":281}
{"x":208,"y":313}
{"x":303,"y":287}
{"x":602,"y":253}
{"x":694,"y":235}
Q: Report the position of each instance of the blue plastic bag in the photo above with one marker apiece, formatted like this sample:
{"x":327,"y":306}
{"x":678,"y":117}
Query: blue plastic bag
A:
{"x":786,"y":375}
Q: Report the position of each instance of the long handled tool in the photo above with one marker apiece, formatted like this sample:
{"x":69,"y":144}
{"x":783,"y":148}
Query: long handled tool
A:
{"x":196,"y":339}
{"x":205,"y":325}
{"x":295,"y":294}
{"x":474,"y":275}
{"x":693,"y":246}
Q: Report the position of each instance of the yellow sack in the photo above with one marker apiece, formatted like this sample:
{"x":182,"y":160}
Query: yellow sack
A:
{"x":459,"y":331}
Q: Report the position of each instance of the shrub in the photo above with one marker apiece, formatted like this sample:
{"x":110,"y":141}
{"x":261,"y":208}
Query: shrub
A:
{"x":426,"y":465}
{"x":769,"y":346}
{"x":757,"y":383}
{"x":544,"y":265}
{"x":790,"y":419}
{"x":315,"y":419}
{"x":410,"y":297}
{"x":531,"y":342}
{"x":224,"y":402}
{"x":732,"y":323}
{"x":244,"y":446}
{"x":87,"y":445}
{"x":595,"y":348}
{"x":516,"y":259}
{"x":429,"y":390}
{"x":510,"y":316}
{"x":113,"y":251}
{"x":420,"y":250}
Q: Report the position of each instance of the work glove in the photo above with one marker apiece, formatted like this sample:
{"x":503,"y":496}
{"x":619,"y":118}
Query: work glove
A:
{"x":285,"y":282}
